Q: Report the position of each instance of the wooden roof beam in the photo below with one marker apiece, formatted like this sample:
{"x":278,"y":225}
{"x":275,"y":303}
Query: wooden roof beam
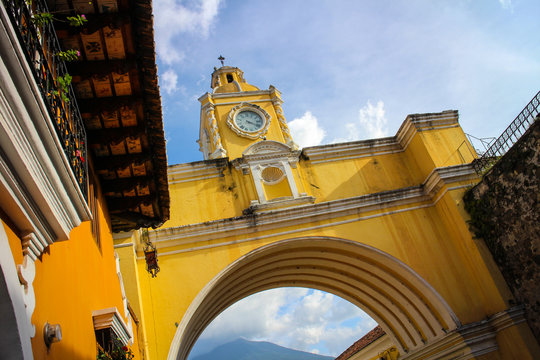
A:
{"x":133,"y":220}
{"x":95,"y":22}
{"x":126,"y":184}
{"x":87,"y":69}
{"x":129,"y":202}
{"x":120,"y":161}
{"x":113,"y":103}
{"x":114,"y":135}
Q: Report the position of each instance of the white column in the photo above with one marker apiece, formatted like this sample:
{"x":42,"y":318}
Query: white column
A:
{"x":256,"y":175}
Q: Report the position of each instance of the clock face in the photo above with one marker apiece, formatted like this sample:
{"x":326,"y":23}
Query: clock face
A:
{"x":249,"y":121}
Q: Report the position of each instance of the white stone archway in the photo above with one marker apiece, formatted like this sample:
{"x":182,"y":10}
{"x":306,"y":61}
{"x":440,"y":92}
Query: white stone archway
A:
{"x":406,"y":306}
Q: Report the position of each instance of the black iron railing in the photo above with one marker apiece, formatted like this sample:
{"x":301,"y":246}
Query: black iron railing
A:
{"x":41,"y":47}
{"x":480,"y":145}
{"x":509,"y":136}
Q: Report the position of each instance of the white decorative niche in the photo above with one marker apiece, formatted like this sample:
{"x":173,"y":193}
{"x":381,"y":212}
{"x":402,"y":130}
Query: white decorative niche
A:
{"x":270,"y":163}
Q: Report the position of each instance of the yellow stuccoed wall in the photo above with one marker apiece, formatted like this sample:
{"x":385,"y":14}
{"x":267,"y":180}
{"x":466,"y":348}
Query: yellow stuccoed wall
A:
{"x":73,"y":279}
{"x":433,"y":240}
{"x":428,"y":233}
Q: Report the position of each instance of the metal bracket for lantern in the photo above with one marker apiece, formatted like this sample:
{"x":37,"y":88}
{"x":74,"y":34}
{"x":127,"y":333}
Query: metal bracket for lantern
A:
{"x":150,"y":254}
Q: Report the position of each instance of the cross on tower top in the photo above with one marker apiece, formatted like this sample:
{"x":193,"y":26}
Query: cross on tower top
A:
{"x":221,"y":58}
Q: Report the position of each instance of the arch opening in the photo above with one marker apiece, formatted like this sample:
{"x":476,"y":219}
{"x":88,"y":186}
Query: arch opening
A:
{"x":297,"y":318}
{"x":408,"y":309}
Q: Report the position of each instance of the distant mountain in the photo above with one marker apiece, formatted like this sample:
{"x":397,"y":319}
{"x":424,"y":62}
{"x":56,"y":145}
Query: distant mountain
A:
{"x":242,"y":349}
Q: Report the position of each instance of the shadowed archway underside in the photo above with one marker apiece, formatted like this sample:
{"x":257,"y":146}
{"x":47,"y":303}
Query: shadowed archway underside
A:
{"x":406,"y":306}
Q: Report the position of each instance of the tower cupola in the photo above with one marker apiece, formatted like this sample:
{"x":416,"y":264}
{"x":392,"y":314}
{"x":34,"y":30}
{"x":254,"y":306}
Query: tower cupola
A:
{"x":229,"y":79}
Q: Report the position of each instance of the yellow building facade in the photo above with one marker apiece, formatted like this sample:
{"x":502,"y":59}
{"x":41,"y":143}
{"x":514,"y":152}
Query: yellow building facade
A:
{"x":379,"y":223}
{"x":74,"y":145}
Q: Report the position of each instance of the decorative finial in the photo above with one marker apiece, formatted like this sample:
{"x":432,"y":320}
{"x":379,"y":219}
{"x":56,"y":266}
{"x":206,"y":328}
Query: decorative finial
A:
{"x":221,"y":58}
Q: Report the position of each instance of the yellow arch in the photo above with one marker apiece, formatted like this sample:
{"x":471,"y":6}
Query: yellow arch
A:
{"x":393,"y":294}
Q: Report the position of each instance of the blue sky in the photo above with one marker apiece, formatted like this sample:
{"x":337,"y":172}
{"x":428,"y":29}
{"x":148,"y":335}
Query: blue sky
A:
{"x":299,"y":318}
{"x":349,"y":70}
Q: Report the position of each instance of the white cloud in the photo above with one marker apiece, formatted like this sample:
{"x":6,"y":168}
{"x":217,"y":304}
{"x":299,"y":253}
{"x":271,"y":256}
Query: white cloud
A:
{"x":202,"y":79}
{"x":169,"y":81}
{"x":299,"y":318}
{"x":172,"y":18}
{"x":506,"y":4}
{"x":306,"y":131}
{"x":372,"y":120}
{"x":371,"y":124}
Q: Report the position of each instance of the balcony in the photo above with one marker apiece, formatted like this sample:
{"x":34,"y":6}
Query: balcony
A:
{"x":41,"y":48}
{"x":104,"y":125}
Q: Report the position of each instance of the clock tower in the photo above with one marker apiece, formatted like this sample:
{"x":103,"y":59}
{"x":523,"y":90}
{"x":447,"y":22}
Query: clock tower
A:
{"x":246,"y":125}
{"x":236,"y":115}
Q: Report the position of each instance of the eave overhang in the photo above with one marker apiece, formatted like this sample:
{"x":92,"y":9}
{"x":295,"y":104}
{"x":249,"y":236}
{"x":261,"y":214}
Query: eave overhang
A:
{"x":116,"y":84}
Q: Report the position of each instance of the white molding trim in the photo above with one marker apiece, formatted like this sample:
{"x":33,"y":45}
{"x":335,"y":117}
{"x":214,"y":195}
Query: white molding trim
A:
{"x":284,"y":202}
{"x":236,"y":102}
{"x":264,"y":153}
{"x":388,"y":145}
{"x":130,"y":244}
{"x":195,"y":171}
{"x":15,"y":325}
{"x":111,"y":318}
{"x":426,"y":195}
{"x":23,"y":210}
{"x":214,"y":96}
{"x":471,"y":340}
{"x":44,"y":196}
{"x":352,"y":150}
{"x":124,"y":298}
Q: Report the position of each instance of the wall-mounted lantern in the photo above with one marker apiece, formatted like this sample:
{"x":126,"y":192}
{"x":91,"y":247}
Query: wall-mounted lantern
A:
{"x":51,"y":333}
{"x":150,"y":254}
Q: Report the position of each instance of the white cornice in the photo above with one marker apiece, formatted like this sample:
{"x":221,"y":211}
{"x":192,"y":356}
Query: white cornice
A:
{"x":284,"y":202}
{"x":43,"y":196}
{"x":249,"y":100}
{"x":424,"y":195}
{"x":398,"y":143}
{"x":356,"y":149}
{"x":111,"y":318}
{"x":196,"y":170}
{"x":471,"y":340}
{"x":234,"y":94}
{"x":264,"y":152}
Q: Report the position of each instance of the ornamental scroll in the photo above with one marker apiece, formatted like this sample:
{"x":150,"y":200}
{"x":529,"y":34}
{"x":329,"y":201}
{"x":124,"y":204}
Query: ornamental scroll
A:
{"x":283,"y":123}
{"x":219,"y":151}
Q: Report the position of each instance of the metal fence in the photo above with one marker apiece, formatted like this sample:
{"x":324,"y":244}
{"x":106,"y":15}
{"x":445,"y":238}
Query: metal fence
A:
{"x":509,"y":136}
{"x":41,"y":47}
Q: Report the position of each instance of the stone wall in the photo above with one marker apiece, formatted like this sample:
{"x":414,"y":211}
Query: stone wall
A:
{"x":504,"y":209}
